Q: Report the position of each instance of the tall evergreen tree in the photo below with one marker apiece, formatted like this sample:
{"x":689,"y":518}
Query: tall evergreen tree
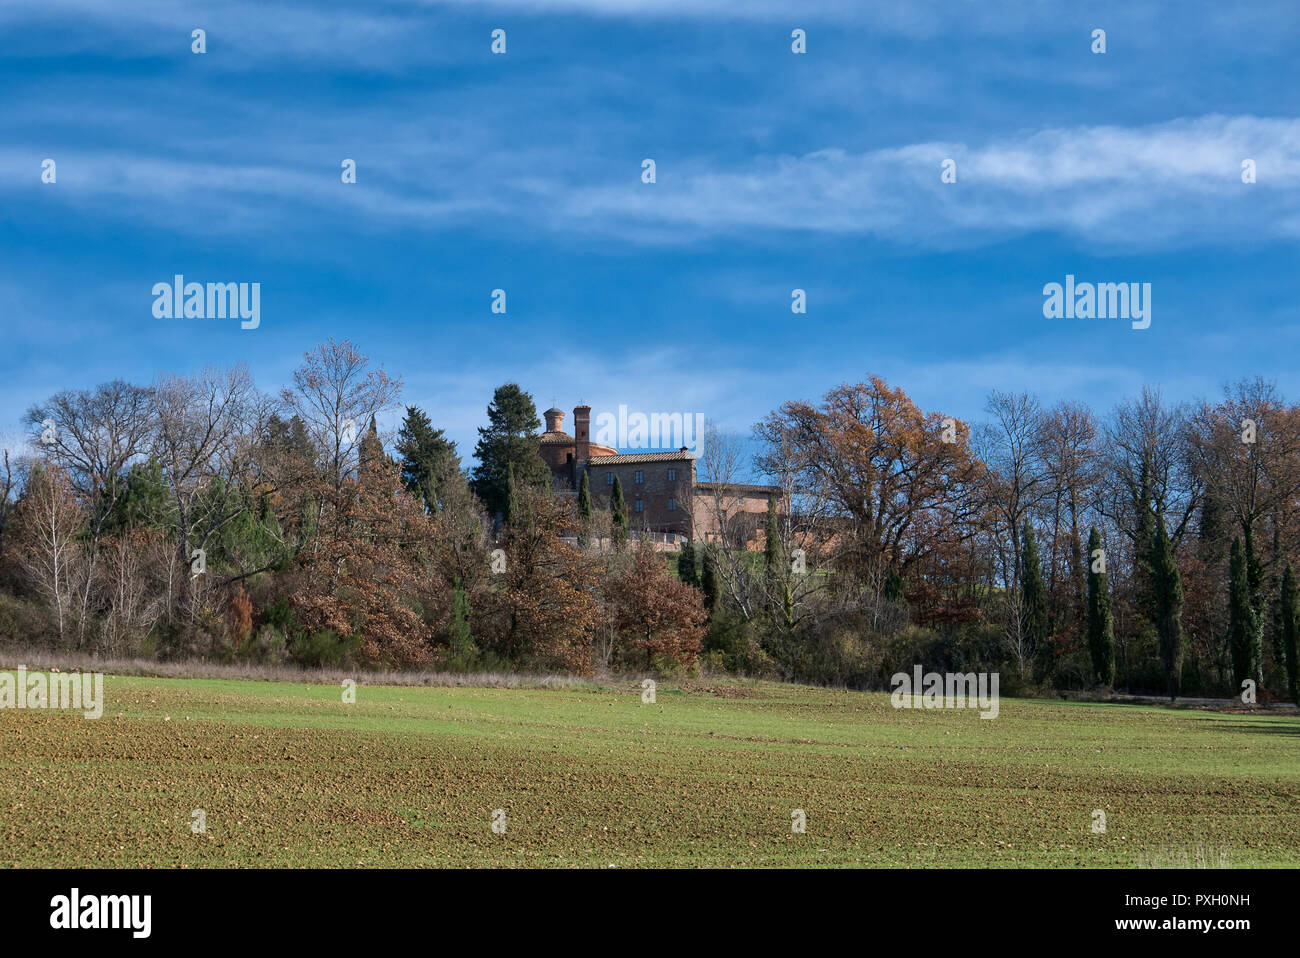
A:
{"x":894,"y":591}
{"x":512,"y":497}
{"x":142,"y":498}
{"x":1212,"y":528}
{"x":1167,"y":592}
{"x":371,"y":449}
{"x":1101,"y":622}
{"x":772,"y":546}
{"x":1144,"y":537}
{"x":1243,"y":627}
{"x":1036,"y":625}
{"x":686,"y":565}
{"x":1291,"y":633}
{"x":510,"y":438}
{"x":1274,"y":607}
{"x":584,"y":498}
{"x":289,"y":438}
{"x":428,"y":458}
{"x":618,"y":514}
{"x":460,"y":640}
{"x":1258,"y":602}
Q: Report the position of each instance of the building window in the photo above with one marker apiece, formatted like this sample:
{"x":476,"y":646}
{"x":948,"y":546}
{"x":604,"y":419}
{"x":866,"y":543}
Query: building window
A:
{"x":640,"y":477}
{"x":672,"y":475}
{"x":640,"y":506}
{"x":609,"y":478}
{"x":672,"y":504}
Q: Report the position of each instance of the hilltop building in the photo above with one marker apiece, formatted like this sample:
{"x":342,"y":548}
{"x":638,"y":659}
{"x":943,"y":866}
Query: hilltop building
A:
{"x":661,"y":489}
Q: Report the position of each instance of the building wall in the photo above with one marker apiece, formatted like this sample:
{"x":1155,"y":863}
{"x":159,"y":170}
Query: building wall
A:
{"x":654,"y":492}
{"x":557,"y":455}
{"x":744,"y":514}
{"x":695,"y":515}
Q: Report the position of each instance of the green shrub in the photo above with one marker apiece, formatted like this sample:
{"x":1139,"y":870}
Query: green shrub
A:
{"x":24,"y":622}
{"x":268,"y":646}
{"x":324,"y":649}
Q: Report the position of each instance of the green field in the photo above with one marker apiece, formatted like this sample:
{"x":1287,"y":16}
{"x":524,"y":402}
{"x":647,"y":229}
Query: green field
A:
{"x":708,"y":775}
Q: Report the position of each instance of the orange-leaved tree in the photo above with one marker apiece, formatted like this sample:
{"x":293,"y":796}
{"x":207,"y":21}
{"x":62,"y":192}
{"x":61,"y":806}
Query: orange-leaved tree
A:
{"x":654,"y":610}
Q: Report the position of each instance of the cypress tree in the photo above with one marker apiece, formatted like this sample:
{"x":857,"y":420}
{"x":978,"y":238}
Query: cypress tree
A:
{"x":772,"y":546}
{"x":686,"y":565}
{"x":1258,"y":603}
{"x":1243,"y":629}
{"x":459,"y":637}
{"x":1101,"y":622}
{"x":371,"y":450}
{"x":894,"y":587}
{"x":1273,"y":626}
{"x":618,"y":514}
{"x":1167,"y":592}
{"x":584,"y":498}
{"x":1291,"y":633}
{"x":1033,"y":591}
{"x":1143,"y":538}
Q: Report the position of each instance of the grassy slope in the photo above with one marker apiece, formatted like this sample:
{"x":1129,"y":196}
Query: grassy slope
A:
{"x":290,"y":776}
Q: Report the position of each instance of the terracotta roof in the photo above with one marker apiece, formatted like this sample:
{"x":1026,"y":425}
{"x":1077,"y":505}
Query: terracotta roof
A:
{"x":620,"y":459}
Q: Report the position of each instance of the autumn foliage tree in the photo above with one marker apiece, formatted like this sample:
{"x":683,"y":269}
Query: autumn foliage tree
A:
{"x":541,"y":611}
{"x":655,"y":612}
{"x":903,"y":494}
{"x":367,"y":574}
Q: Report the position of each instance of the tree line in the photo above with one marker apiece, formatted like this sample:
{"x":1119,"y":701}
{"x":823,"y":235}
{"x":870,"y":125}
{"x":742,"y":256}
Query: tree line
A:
{"x":1148,"y":547}
{"x":199,"y":518}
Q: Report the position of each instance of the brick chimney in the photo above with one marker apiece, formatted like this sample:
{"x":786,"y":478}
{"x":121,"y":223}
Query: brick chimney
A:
{"x":582,"y":433}
{"x":554,"y":419}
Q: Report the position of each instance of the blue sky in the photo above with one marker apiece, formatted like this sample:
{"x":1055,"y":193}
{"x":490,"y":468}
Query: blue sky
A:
{"x":774,"y":171}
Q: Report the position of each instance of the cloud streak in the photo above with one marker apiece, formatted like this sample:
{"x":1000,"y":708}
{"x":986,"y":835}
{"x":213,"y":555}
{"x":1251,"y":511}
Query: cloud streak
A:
{"x":1138,"y":186}
{"x":1154,"y":186}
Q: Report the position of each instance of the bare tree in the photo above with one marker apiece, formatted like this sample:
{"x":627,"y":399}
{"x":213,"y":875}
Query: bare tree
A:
{"x":1246,"y":451}
{"x":1070,"y":458}
{"x":723,"y":463}
{"x":797,"y":587}
{"x":1012,"y":448}
{"x":1148,"y":435}
{"x":336,"y":394}
{"x":206,"y":429}
{"x":93,"y":435}
{"x":45,"y":543}
{"x":13,"y":472}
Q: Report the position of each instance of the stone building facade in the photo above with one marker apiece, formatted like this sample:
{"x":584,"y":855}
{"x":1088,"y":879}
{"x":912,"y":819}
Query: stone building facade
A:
{"x":661,"y":490}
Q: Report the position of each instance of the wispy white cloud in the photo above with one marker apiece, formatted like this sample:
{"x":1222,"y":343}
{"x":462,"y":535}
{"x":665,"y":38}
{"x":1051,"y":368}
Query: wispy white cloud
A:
{"x":309,"y":17}
{"x":1146,"y":185}
{"x":1151,"y":186}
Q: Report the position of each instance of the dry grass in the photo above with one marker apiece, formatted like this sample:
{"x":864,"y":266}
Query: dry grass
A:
{"x":43,"y":660}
